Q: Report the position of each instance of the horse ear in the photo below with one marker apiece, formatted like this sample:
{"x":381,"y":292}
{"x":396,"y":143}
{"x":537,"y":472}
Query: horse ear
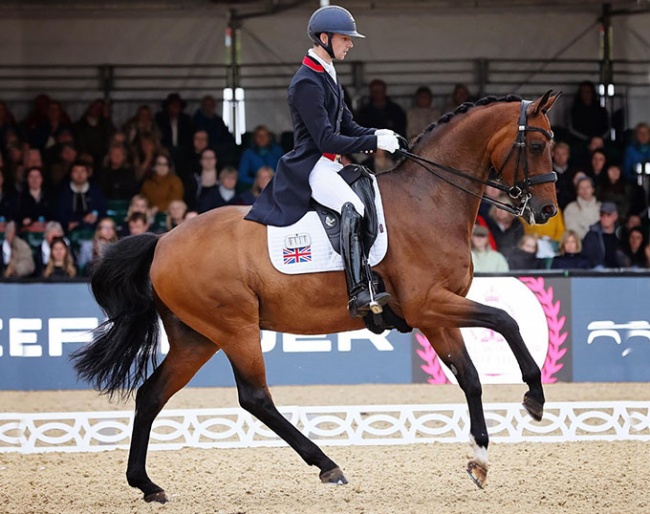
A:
{"x":544,"y":103}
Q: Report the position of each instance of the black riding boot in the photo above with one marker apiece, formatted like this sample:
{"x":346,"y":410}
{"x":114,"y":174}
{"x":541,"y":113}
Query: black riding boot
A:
{"x":357,"y":271}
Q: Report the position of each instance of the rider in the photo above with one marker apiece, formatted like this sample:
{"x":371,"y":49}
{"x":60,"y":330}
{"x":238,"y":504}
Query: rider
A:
{"x":324,"y":129}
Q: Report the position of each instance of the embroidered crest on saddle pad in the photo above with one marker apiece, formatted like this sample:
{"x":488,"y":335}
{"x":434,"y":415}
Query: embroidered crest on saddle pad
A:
{"x":305,"y":247}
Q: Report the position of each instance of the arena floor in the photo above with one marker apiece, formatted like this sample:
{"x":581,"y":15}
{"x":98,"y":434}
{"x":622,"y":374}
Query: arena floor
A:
{"x":544,"y":478}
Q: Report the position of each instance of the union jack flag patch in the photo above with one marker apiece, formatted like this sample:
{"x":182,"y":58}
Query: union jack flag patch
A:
{"x":297,"y":255}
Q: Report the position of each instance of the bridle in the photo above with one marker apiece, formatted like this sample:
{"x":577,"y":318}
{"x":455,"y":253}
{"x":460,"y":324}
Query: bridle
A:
{"x":520,"y":190}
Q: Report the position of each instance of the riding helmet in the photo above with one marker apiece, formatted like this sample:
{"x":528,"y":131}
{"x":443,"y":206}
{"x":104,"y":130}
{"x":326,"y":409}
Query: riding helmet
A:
{"x":331,"y":19}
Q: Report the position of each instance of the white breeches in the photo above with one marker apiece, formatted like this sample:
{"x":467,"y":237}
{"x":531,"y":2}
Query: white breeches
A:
{"x":329,"y":189}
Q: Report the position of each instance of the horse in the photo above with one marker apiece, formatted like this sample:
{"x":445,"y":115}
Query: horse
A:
{"x":212,"y":284}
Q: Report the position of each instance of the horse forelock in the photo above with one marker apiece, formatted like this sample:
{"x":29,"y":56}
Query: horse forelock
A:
{"x":462,"y":109}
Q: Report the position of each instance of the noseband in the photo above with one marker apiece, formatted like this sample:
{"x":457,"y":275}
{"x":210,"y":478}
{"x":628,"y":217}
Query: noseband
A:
{"x":520,"y":190}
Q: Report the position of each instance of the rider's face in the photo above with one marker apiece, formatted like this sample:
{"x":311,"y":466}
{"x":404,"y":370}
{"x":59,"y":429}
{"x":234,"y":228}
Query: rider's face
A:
{"x":341,"y":45}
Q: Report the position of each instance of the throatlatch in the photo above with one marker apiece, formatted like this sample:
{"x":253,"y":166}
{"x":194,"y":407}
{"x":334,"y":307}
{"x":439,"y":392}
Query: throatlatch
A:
{"x":363,"y":297}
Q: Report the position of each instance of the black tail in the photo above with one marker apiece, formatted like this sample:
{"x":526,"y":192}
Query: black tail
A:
{"x":118,"y":356}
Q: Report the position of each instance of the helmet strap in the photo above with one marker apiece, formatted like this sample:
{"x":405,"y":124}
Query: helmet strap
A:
{"x":328,"y":47}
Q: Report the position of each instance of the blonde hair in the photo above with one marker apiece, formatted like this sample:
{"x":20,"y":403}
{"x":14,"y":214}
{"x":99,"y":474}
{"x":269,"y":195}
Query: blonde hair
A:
{"x":68,"y":263}
{"x":569,"y":233}
{"x":99,"y":243}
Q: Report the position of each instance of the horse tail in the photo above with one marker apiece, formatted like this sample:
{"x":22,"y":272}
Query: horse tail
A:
{"x":122,"y":347}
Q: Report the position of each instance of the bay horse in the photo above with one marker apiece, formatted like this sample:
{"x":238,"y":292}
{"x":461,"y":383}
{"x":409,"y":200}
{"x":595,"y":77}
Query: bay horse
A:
{"x":211,"y":282}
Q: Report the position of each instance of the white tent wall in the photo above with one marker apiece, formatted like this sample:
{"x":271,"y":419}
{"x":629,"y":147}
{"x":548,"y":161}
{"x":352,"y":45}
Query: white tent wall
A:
{"x":190,"y":38}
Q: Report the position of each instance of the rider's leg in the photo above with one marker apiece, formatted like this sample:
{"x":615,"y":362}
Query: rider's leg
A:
{"x":329,"y":189}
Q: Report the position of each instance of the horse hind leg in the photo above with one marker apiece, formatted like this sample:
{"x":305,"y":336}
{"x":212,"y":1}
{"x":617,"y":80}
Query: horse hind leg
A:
{"x":450,"y":347}
{"x":255,"y":397}
{"x":188,"y":351}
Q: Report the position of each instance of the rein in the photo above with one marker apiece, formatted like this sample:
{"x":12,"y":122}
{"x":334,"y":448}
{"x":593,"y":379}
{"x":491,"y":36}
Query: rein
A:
{"x":519,"y":191}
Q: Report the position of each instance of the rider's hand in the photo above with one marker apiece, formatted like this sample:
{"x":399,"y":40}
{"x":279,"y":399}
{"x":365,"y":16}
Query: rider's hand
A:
{"x":384,"y":132}
{"x":390,"y":143}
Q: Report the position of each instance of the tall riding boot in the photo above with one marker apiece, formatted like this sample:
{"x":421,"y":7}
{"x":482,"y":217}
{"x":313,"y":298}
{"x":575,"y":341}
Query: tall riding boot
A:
{"x":357,"y":275}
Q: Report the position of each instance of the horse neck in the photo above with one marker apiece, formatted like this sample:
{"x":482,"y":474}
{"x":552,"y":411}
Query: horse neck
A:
{"x":463,"y":144}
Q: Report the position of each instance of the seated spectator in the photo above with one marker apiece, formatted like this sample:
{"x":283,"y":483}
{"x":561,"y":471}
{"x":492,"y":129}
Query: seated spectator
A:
{"x":61,"y":264}
{"x":380,"y":111}
{"x":60,"y":168}
{"x":80,"y":202}
{"x":505,"y":227}
{"x":139,"y":203}
{"x":144,"y":154}
{"x":566,"y":192}
{"x":138,"y":223}
{"x":525,"y":255}
{"x":598,"y":165}
{"x":207,"y":177}
{"x":263,"y":152}
{"x":175,"y":214}
{"x":570,"y":253}
{"x":585,"y":210}
{"x":459,"y":96}
{"x":7,"y":124}
{"x":637,"y":152}
{"x":629,"y":198}
{"x":264,"y":176}
{"x":141,"y":123}
{"x":636,"y":249}
{"x":92,"y":251}
{"x":17,"y":260}
{"x":484,"y":259}
{"x":38,"y":114}
{"x":117,"y":178}
{"x":220,"y":194}
{"x":207,"y":120}
{"x":163,"y":186}
{"x":548,"y":235}
{"x":35,"y":205}
{"x":14,"y":166}
{"x":587,"y":118}
{"x":93,"y":131}
{"x":422,"y":114}
{"x":188,"y":164}
{"x":44,"y":136}
{"x":601,"y":245}
{"x":175,"y":125}
{"x":53,"y":229}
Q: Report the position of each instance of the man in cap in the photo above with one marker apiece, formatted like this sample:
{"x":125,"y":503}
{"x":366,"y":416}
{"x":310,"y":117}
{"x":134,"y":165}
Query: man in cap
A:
{"x":600,"y":245}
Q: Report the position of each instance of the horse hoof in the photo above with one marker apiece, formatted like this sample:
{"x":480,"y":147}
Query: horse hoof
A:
{"x":158,"y":497}
{"x":534,"y":408}
{"x":333,"y":476}
{"x":477,"y":472}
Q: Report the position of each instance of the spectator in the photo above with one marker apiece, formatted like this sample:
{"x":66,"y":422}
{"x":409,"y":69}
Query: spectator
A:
{"x":264,"y":176}
{"x":145,"y":150}
{"x":263,"y":152}
{"x":422,"y":114}
{"x":548,"y":235}
{"x":459,"y":96}
{"x":188,"y":165}
{"x":92,"y":251}
{"x":636,"y":249}
{"x":600,"y":245}
{"x":60,"y":169}
{"x":570,"y":253}
{"x":141,"y":123}
{"x":93,"y":131}
{"x":629,"y":198}
{"x":221,"y":193}
{"x":44,"y":136}
{"x":637,"y":152}
{"x":565,"y":174}
{"x":117,"y":177}
{"x":505,"y":227}
{"x":53,"y":229}
{"x":584,"y":211}
{"x":381,"y":111}
{"x":7,"y":124}
{"x":80,"y":202}
{"x":17,"y":257}
{"x":38,"y":115}
{"x":162,"y":187}
{"x":484,"y":259}
{"x":35,"y":205}
{"x":175,"y":125}
{"x":61,"y":263}
{"x":598,"y":165}
{"x":138,"y":223}
{"x":175,"y":214}
{"x":588,"y":119}
{"x":525,"y":255}
{"x":207,"y":120}
{"x":207,"y":177}
{"x":14,"y":166}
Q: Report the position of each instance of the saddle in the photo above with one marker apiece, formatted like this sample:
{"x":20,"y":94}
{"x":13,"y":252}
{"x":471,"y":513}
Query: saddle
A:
{"x":359,"y":178}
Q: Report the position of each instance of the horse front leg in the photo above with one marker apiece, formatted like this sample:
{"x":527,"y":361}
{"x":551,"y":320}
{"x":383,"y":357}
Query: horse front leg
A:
{"x":450,"y":347}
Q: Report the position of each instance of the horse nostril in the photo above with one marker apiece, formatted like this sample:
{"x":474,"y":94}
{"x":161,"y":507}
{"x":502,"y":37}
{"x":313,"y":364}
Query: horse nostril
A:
{"x":549,"y":210}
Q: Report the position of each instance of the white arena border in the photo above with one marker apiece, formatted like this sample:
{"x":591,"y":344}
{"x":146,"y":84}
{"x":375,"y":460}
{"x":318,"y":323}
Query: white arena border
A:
{"x":333,"y":426}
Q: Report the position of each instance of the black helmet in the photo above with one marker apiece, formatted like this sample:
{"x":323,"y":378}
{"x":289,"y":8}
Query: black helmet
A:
{"x":331,"y":19}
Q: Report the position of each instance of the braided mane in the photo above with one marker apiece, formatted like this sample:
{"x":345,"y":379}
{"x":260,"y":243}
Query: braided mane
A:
{"x":463,"y":108}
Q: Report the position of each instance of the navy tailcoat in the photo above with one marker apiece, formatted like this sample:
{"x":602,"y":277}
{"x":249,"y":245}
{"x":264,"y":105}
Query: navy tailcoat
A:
{"x":316,"y":103}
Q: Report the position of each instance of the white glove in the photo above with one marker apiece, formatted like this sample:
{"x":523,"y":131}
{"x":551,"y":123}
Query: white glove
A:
{"x":384,"y":132}
{"x":387,"y":142}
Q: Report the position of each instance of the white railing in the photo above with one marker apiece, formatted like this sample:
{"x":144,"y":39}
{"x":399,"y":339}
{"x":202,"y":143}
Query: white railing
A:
{"x":342,"y":426}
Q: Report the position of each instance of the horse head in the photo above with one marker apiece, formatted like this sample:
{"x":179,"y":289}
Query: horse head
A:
{"x":526,"y":163}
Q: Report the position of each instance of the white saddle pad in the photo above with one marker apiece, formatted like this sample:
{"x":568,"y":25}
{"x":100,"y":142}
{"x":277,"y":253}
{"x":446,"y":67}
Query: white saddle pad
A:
{"x":305,"y":248}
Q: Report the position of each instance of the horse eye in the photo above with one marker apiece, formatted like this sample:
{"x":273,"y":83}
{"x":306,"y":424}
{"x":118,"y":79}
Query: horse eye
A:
{"x":537,"y":148}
